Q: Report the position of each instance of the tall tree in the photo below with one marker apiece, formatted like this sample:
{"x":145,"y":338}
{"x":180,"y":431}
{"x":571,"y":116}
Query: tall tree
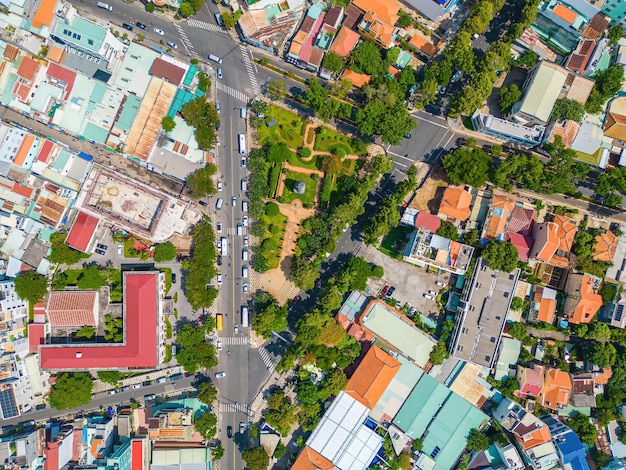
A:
{"x":468,"y":166}
{"x":31,"y":286}
{"x":333,"y":62}
{"x":501,"y":255}
{"x":71,"y":390}
{"x":508,"y":96}
{"x":276,"y":89}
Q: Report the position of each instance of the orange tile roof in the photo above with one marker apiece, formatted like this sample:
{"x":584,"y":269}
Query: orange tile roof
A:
{"x":501,"y":208}
{"x":386,"y":9}
{"x":556,"y":389}
{"x":566,"y":231}
{"x":589,"y":303}
{"x":357,"y":79}
{"x":423,"y":45}
{"x":547,"y":307}
{"x":567,"y":132}
{"x":372,"y":377}
{"x":55,"y":54}
{"x":22,"y":190}
{"x":456,"y":203}
{"x":27,"y":68}
{"x":27,"y":143}
{"x":311,"y":460}
{"x":44,"y":14}
{"x":603,"y":377}
{"x":565,"y":13}
{"x":537,"y":437}
{"x":379,"y":28}
{"x":344,"y":42}
{"x":72,"y":308}
{"x":606,"y":244}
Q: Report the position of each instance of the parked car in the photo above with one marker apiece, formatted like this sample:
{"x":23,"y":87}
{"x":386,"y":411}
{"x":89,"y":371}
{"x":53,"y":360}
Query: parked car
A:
{"x":219,"y":73}
{"x":219,"y":185}
{"x":429,"y":297}
{"x":127,"y":26}
{"x":245,"y":287}
{"x":202,"y":203}
{"x":218,"y":108}
{"x":384,"y":291}
{"x":432,"y":292}
{"x":219,"y":344}
{"x":124,"y":389}
{"x":219,"y":279}
{"x":172,"y":44}
{"x":161,"y":380}
{"x":173,"y":278}
{"x":102,"y":247}
{"x":219,"y":227}
{"x":243,"y":163}
{"x":112,"y":392}
{"x":120,"y":249}
{"x":245,"y":241}
{"x":100,"y":252}
{"x":245,"y":220}
{"x":391,"y":291}
{"x":141,"y":25}
{"x":136,"y":386}
{"x":440,"y":284}
{"x":242,"y":428}
{"x":221,"y":375}
{"x":229,"y":429}
{"x":159,"y":31}
{"x":151,"y":396}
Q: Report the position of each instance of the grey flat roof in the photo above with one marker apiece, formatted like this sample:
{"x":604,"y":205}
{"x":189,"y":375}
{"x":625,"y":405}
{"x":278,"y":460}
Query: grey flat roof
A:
{"x":482,"y":314}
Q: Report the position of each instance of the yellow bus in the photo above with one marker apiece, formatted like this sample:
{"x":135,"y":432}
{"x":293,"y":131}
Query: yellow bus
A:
{"x":220,"y":322}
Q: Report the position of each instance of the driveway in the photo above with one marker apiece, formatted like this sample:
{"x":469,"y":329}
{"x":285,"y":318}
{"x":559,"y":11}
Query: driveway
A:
{"x":411,"y":282}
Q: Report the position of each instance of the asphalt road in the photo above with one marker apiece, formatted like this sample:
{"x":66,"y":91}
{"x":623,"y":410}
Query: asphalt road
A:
{"x":104,"y":400}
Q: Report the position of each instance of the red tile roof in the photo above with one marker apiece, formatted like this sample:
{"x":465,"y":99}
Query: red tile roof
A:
{"x":72,"y":308}
{"x":142,"y":334}
{"x":344,"y":42}
{"x":44,"y":153}
{"x":22,"y":190}
{"x":51,"y":452}
{"x":82,"y":231}
{"x":36,"y":336}
{"x":167,"y":71}
{"x":522,"y":243}
{"x":27,"y":68}
{"x":521,"y":221}
{"x":428,"y":221}
{"x":137,"y":454}
{"x":62,"y":74}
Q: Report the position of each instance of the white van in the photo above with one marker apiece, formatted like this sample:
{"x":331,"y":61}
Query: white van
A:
{"x":224,"y":247}
{"x":239,"y":229}
{"x":244,"y":184}
{"x":244,"y":271}
{"x":243,"y":112}
{"x":244,"y":254}
{"x":219,"y":204}
{"x":106,"y":6}
{"x":244,"y":205}
{"x":242,"y":143}
{"x":215,"y":58}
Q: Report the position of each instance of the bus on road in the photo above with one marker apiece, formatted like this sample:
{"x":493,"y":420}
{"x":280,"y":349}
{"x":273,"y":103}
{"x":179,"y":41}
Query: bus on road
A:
{"x":220,"y":322}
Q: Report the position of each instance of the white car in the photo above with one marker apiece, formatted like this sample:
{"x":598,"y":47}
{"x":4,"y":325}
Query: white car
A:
{"x":440,"y":284}
{"x":219,"y":243}
{"x":245,"y":241}
{"x":220,"y":375}
{"x":219,"y":185}
{"x":159,"y":31}
{"x":429,"y":297}
{"x":172,"y":44}
{"x":136,"y":386}
{"x":219,"y":228}
{"x":219,"y":344}
{"x":432,"y":292}
{"x":219,"y":279}
{"x":120,"y":249}
{"x":236,"y":329}
{"x":245,"y":287}
{"x":244,"y":219}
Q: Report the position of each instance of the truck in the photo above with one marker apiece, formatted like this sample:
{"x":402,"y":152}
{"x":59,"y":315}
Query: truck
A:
{"x":105,"y":6}
{"x":224,"y":248}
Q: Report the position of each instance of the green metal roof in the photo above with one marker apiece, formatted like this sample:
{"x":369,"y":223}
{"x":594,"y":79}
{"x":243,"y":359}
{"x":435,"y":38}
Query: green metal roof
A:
{"x":93,"y":132}
{"x":83,"y":32}
{"x":191,"y":72}
{"x":129,"y":112}
{"x":421,"y":406}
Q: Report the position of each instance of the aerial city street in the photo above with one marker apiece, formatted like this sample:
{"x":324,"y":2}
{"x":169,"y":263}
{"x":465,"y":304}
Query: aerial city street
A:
{"x":343,"y":234}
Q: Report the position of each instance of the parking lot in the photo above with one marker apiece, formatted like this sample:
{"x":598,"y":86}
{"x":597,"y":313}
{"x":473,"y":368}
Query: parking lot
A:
{"x":410,"y":282}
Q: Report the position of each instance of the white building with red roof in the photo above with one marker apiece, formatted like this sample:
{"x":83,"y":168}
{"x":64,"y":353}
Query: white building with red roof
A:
{"x":83,"y":231}
{"x":143,"y":344}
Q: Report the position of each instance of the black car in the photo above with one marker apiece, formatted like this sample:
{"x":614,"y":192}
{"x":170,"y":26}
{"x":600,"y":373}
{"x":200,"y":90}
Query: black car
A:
{"x":229,"y":432}
{"x":173,"y":278}
{"x":391,"y":291}
{"x":127,"y":26}
{"x":219,"y":260}
{"x":102,"y":247}
{"x":202,"y":203}
{"x":100,"y":252}
{"x":141,"y":25}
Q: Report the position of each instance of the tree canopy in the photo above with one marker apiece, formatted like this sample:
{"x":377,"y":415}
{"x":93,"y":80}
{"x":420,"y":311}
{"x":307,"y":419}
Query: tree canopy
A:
{"x":168,"y":124}
{"x":111,"y":377}
{"x":565,"y":108}
{"x":468,"y":166}
{"x":165,"y":251}
{"x":201,"y":267}
{"x":71,"y":390}
{"x":477,"y":440}
{"x":272,"y":318}
{"x":256,"y":458}
{"x":584,"y":429}
{"x":62,"y":253}
{"x":31,"y":286}
{"x":501,"y":255}
{"x":202,"y":115}
{"x":276,"y":89}
{"x":195,"y":352}
{"x":333,"y":62}
{"x":508,"y":96}
{"x":206,"y":425}
{"x":200,"y":182}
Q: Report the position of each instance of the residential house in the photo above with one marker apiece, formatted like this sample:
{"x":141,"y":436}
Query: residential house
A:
{"x":554,"y":240}
{"x":545,"y":84}
{"x":456,"y":204}
{"x":510,"y":349}
{"x":605,"y":246}
{"x":372,"y":377}
{"x":579,"y":59}
{"x":582,"y":301}
{"x":421,"y":43}
{"x":583,"y":390}
{"x":615,"y":122}
{"x":519,"y":230}
{"x":571,"y":451}
{"x":566,"y":130}
{"x":358,"y":80}
{"x":427,"y":248}
{"x":433,"y":10}
{"x":556,"y":389}
{"x":311,"y":460}
{"x":542,"y":305}
{"x":378,"y":22}
{"x":344,"y":42}
{"x":616,"y":11}
{"x":497,"y":220}
{"x":530,"y":380}
{"x":302,"y":51}
{"x":482,"y":314}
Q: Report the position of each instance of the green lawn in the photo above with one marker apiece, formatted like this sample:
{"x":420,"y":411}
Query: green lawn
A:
{"x":289,"y":195}
{"x":168,"y":278}
{"x":327,"y":140}
{"x":315,"y":163}
{"x":271,"y":243}
{"x":289,"y":128}
{"x":388,"y":246}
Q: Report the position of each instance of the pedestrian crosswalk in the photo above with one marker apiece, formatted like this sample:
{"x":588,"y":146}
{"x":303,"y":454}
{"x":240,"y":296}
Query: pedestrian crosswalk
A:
{"x":234,"y":408}
{"x":240,"y":95}
{"x":267,"y":358}
{"x":185,"y":39}
{"x":235,"y":340}
{"x":247,"y":60}
{"x":208,"y":26}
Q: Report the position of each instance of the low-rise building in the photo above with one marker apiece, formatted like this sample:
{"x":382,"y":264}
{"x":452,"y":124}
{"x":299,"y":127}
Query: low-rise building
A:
{"x":554,"y":241}
{"x":570,"y":449}
{"x":582,"y":301}
{"x":456,"y":204}
{"x":542,"y":305}
{"x":530,"y":381}
{"x":377,"y":24}
{"x":427,"y":248}
{"x":508,"y":355}
{"x":508,"y":131}
{"x":482,"y":313}
{"x":556,"y":389}
{"x":372,"y":377}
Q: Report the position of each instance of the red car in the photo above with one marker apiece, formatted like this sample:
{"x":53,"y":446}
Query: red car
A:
{"x":384,"y":291}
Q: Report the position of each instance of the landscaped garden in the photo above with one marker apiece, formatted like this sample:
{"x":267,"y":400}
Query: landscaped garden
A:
{"x":282,"y":126}
{"x":291,"y":182}
{"x":328,"y":140}
{"x":271,"y":227}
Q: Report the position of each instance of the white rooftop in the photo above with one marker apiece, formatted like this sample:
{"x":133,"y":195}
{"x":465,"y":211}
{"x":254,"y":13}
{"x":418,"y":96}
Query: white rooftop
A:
{"x":341,"y":436}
